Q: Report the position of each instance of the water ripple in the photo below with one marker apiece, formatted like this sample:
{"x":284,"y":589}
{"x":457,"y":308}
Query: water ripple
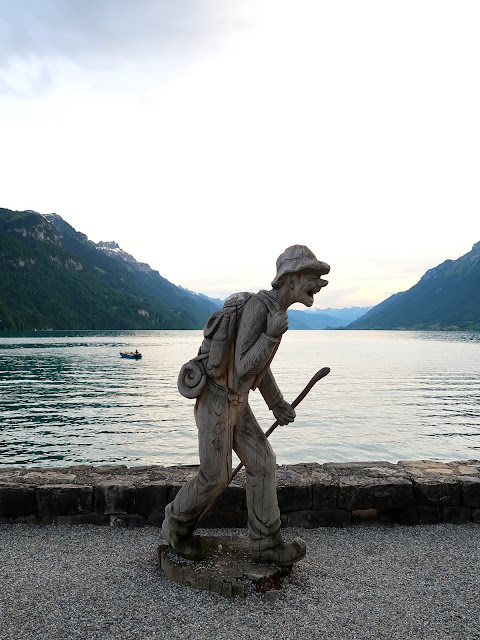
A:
{"x":68,"y":397}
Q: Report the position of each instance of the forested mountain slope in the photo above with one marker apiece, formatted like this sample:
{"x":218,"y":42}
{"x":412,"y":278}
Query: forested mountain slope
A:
{"x":53,"y":277}
{"x":446,"y":297}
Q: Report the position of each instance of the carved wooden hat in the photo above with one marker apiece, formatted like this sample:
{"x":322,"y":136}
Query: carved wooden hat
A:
{"x":298,"y":258}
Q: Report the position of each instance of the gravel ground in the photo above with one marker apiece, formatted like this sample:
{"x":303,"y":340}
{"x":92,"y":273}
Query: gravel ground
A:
{"x":86,"y":582}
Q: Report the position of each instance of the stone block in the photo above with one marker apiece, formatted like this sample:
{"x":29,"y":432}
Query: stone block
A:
{"x":476,"y":515}
{"x":425,"y":467}
{"x":360,"y":467}
{"x":98,"y":519}
{"x":287,"y":475}
{"x":64,"y":499}
{"x":225,"y":519}
{"x":455,"y":515}
{"x":155,"y":520}
{"x":294,"y":498}
{"x":151,"y":498}
{"x":419,"y":515}
{"x":111,"y":469}
{"x":232,"y":499}
{"x":470,"y":492}
{"x":358,"y":493}
{"x":319,"y":518}
{"x":324,"y":496}
{"x":31,"y":519}
{"x":374,"y":517}
{"x":115,"y":497}
{"x":127,"y":521}
{"x":17,"y":500}
{"x":365,"y":514}
{"x":466,"y":467}
{"x":172,"y":489}
{"x":437,"y":492}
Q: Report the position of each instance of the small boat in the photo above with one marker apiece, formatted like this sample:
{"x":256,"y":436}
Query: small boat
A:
{"x":133,"y":355}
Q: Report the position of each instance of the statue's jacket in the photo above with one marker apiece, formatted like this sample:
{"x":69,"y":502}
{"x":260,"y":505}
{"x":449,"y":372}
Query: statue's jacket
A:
{"x":240,"y":351}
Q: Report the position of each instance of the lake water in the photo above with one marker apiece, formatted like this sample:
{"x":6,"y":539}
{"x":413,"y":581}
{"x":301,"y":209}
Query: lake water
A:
{"x":68,"y":397}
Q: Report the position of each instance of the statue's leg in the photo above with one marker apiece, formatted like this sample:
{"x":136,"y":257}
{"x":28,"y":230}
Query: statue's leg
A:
{"x":256,"y":453}
{"x":254,"y":450}
{"x":214,"y":417}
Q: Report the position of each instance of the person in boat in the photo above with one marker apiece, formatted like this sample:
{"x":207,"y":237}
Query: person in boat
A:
{"x":225,"y":420}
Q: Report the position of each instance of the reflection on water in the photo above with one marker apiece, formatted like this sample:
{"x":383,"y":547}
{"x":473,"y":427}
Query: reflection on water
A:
{"x":68,"y":397}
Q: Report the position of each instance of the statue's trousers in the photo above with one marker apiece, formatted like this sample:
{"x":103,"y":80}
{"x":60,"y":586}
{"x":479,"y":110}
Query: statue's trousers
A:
{"x":225,"y":422}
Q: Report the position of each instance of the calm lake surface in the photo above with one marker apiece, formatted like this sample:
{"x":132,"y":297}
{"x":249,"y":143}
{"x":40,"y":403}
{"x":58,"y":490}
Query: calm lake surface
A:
{"x":68,"y":398}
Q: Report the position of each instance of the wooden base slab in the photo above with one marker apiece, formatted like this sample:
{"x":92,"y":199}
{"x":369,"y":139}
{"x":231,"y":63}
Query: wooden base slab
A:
{"x":227,"y":570}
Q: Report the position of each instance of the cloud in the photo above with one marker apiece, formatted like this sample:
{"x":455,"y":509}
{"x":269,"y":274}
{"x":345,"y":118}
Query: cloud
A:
{"x":89,"y":29}
{"x":38,"y":38}
{"x":243,"y":127}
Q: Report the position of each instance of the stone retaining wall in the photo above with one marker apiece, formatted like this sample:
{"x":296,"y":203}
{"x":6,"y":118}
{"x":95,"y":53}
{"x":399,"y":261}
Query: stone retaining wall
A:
{"x":309,"y":495}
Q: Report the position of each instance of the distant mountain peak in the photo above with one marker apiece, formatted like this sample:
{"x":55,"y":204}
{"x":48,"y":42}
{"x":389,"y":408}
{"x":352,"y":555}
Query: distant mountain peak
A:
{"x":108,"y":245}
{"x":28,"y":224}
{"x":113,"y":250}
{"x":476,"y":249}
{"x":63,"y":227}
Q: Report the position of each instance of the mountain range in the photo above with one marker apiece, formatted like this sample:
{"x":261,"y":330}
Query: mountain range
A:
{"x":324,"y":318}
{"x":446,"y":297}
{"x":54,"y":277}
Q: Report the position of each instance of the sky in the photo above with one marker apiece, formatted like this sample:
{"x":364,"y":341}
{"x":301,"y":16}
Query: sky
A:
{"x":206,"y":136}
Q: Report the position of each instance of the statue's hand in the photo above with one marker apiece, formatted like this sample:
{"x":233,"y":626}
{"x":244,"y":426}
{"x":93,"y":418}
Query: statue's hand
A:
{"x":283,"y":412}
{"x":277,"y":324}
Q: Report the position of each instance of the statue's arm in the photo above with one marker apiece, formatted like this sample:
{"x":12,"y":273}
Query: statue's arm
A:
{"x":268,"y":387}
{"x":272,"y":395}
{"x":253,"y":347}
{"x":253,"y":352}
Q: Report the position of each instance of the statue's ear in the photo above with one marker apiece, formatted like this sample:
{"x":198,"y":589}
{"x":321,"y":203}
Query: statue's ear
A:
{"x":291,"y":280}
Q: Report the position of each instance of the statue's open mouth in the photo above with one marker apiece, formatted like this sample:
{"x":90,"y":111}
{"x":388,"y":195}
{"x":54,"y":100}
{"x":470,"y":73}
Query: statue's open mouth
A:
{"x":320,"y":282}
{"x":313,"y":291}
{"x":323,"y":283}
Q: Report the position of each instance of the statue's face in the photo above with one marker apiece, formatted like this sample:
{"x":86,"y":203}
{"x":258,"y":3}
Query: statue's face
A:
{"x":305,"y":285}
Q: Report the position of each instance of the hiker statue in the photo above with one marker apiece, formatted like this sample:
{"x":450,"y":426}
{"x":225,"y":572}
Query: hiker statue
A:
{"x":239,"y":344}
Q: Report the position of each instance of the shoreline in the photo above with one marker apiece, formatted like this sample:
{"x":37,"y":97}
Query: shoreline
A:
{"x":310,"y":495}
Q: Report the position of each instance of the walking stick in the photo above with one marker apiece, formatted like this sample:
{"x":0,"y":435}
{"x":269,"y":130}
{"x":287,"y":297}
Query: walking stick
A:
{"x":318,"y":376}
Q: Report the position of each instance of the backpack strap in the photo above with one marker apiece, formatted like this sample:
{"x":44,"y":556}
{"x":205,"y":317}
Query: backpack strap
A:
{"x":271,"y":304}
